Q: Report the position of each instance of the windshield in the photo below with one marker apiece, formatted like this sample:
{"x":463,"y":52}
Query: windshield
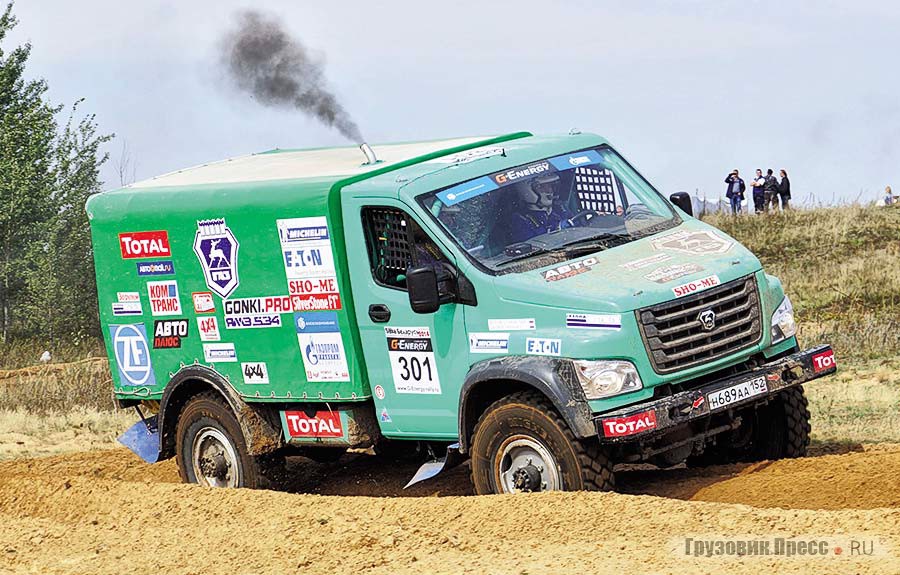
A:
{"x":550,"y":210}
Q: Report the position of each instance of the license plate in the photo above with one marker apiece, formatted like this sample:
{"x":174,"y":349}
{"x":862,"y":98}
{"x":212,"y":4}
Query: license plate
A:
{"x":735,"y":393}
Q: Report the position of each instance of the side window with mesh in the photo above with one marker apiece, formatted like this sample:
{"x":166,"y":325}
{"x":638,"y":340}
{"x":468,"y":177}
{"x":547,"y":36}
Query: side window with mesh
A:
{"x":395,"y":242}
{"x":597,"y":189}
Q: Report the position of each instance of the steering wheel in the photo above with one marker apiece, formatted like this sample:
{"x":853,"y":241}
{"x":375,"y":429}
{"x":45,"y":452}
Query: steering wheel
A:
{"x":582,"y":217}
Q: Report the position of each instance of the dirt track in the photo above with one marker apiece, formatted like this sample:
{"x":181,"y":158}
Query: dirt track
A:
{"x":106,"y":512}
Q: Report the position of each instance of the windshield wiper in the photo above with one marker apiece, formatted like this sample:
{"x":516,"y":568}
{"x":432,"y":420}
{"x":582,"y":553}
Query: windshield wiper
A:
{"x":536,"y":252}
{"x":596,"y":243}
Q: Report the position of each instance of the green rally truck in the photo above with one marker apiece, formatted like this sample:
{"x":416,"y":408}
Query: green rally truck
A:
{"x":530,"y":303}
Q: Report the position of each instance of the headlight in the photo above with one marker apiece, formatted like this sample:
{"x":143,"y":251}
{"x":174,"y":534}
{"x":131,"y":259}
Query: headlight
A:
{"x":783,"y":325}
{"x":606,"y":378}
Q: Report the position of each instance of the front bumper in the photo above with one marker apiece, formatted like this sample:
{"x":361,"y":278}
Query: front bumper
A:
{"x":651,"y":419}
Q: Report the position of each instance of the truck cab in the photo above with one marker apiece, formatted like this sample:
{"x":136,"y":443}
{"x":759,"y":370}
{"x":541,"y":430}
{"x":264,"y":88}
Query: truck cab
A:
{"x":530,"y":303}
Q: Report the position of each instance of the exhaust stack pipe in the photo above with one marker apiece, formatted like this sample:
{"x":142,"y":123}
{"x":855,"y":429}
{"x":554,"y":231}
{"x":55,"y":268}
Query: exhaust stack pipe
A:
{"x":370,"y":154}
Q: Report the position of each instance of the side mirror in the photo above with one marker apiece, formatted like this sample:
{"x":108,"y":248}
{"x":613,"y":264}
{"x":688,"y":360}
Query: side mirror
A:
{"x":422,"y":285}
{"x":683,"y":201}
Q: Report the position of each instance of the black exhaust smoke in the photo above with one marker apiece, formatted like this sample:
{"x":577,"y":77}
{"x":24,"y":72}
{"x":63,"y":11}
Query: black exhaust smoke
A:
{"x":262,"y":59}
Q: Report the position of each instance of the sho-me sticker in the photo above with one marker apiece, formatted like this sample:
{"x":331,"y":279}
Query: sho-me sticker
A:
{"x":219,"y":353}
{"x":693,"y":242}
{"x":412,"y":360}
{"x":156,"y":268}
{"x":569,"y":270}
{"x":255,"y":372}
{"x":132,"y":354}
{"x":144,"y":244}
{"x":511,"y":324}
{"x":309,"y":263}
{"x":542,"y":346}
{"x":593,"y":321}
{"x":168,"y":333}
{"x":646,"y":262}
{"x":128,"y":303}
{"x":208,"y":328}
{"x":217,"y":249}
{"x":673,"y":272}
{"x":164,"y":298}
{"x":696,"y":286}
{"x":491,"y":342}
{"x":321,"y":346}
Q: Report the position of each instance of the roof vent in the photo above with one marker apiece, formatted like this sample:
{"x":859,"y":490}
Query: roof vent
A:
{"x":370,"y":154}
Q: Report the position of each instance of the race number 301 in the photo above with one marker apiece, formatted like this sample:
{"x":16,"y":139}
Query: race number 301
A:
{"x":412,"y":360}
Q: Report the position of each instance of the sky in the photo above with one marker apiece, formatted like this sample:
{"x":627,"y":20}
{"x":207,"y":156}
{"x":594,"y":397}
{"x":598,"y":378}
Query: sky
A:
{"x":687,"y":91}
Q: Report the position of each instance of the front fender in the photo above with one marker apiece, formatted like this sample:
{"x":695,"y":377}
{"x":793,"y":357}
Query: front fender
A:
{"x":553,"y":377}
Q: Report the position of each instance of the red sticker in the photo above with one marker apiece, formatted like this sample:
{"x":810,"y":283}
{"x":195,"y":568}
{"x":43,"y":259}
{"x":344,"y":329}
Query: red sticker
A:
{"x":144,"y":244}
{"x":622,"y":426}
{"x":823,"y":361}
{"x":316,"y":294}
{"x":203,"y":302}
{"x":322,"y":424}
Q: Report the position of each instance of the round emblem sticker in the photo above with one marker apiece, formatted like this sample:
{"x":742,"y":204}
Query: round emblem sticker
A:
{"x":379,"y":392}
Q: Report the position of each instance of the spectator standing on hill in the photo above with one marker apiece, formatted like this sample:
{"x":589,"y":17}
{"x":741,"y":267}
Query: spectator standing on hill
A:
{"x":784,"y":190}
{"x":770,"y":189}
{"x":735,"y":191}
{"x":759,"y":196}
{"x":888,"y":196}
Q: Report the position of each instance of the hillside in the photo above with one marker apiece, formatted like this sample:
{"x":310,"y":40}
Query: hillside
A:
{"x":841,"y":268}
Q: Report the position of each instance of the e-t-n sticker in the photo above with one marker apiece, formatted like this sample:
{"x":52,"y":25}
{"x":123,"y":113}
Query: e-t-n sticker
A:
{"x":412,"y":360}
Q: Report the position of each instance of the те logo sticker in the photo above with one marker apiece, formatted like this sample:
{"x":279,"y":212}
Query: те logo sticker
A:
{"x":217,"y":249}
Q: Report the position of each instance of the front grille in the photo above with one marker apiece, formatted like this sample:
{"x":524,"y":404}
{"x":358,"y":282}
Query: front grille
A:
{"x":676,"y":339}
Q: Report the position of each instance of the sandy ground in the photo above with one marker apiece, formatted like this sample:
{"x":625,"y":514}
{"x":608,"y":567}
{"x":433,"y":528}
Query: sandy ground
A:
{"x":107,"y":512}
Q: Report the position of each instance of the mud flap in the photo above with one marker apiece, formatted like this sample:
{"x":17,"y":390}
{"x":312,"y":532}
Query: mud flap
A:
{"x":142,"y":439}
{"x":436,"y":466}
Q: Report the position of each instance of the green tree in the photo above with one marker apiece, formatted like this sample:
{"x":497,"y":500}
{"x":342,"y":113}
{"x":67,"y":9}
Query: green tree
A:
{"x":47,"y":282}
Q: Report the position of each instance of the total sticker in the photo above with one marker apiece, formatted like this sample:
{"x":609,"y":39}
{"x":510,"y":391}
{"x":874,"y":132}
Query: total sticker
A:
{"x":379,"y":392}
{"x":412,"y":360}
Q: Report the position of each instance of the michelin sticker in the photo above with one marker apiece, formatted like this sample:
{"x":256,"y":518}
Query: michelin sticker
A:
{"x":321,"y":346}
{"x":127,"y":303}
{"x":412,"y":360}
{"x":164,"y":298}
{"x":255,"y":372}
{"x":132,"y":354}
{"x":219,"y":353}
{"x":593,"y":321}
{"x":511,"y":324}
{"x":693,"y":242}
{"x":542,"y":346}
{"x":217,"y":249}
{"x":492,"y":342}
{"x":309,"y":263}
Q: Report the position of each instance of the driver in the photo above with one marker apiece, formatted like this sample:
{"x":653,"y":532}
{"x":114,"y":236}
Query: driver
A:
{"x":537,"y":210}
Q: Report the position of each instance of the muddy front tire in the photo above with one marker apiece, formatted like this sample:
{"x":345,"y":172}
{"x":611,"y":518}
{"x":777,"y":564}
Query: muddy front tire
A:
{"x":211,"y":451}
{"x":521,"y":444}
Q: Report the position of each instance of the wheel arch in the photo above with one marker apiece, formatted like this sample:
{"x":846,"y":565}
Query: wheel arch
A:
{"x":260,"y":424}
{"x":495,"y":378}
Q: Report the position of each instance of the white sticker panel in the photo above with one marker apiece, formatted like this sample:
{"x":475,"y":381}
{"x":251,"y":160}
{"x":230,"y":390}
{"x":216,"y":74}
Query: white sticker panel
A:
{"x":412,"y":360}
{"x":511,"y":324}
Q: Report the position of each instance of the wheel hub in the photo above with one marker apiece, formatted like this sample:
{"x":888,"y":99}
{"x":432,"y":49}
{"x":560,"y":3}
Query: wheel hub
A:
{"x":525,"y":465}
{"x":214,"y":459}
{"x":527,"y":478}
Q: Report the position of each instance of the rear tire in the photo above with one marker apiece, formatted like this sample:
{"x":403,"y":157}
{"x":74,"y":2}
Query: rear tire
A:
{"x":521,"y":444}
{"x":210,"y":448}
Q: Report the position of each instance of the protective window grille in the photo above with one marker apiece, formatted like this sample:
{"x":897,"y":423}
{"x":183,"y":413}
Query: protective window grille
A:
{"x":389,"y":244}
{"x":597,"y":190}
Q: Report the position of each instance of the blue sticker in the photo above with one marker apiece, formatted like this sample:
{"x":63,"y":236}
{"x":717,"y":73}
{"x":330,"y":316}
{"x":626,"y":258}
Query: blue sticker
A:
{"x":156,"y":268}
{"x":217,"y":249}
{"x":385,"y":416}
{"x":467,"y":190}
{"x":569,"y":161}
{"x":316,"y":322}
{"x":132,"y":354}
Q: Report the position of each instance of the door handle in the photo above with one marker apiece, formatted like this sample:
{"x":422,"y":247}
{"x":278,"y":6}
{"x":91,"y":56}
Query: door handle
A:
{"x":379,"y":313}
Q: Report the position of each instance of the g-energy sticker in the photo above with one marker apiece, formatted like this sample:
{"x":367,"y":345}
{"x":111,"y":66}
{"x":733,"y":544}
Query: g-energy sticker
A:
{"x":491,"y":342}
{"x":511,"y":324}
{"x":412,"y":360}
{"x":693,"y":242}
{"x":695,"y":286}
{"x":516,"y":174}
{"x":593,"y":321}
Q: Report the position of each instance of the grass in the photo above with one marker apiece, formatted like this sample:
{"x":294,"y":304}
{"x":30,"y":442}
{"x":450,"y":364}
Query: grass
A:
{"x":841,"y":267}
